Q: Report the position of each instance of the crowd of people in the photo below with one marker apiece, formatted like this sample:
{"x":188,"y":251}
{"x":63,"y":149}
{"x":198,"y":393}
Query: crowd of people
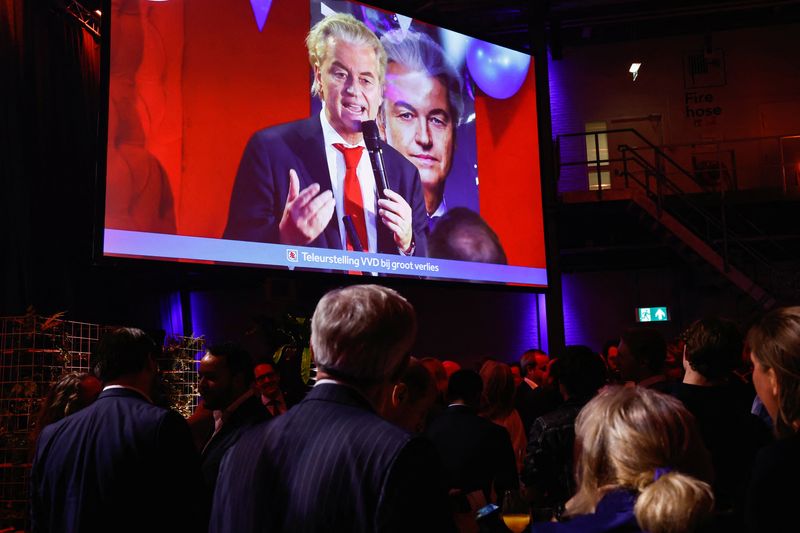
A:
{"x":616,"y":441}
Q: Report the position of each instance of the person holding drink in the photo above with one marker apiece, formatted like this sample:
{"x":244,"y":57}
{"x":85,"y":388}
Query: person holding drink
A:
{"x":516,"y":511}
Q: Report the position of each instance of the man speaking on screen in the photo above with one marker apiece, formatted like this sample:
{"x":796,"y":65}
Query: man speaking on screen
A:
{"x":310,"y":182}
{"x":422,"y":109}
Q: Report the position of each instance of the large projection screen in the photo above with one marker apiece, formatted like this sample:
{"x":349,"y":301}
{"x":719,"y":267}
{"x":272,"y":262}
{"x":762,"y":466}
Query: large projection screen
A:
{"x":210,"y":105}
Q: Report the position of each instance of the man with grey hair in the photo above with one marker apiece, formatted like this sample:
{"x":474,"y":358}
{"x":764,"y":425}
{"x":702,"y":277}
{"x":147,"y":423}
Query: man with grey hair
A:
{"x":422,"y":109}
{"x":299,"y":182}
{"x":333,"y":463}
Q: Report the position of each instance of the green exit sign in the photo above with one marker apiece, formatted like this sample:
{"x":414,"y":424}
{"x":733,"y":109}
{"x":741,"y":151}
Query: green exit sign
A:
{"x":652,"y":314}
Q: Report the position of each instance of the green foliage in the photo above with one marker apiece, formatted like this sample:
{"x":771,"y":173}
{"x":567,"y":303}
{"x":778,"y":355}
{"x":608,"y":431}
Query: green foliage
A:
{"x":288,"y":337}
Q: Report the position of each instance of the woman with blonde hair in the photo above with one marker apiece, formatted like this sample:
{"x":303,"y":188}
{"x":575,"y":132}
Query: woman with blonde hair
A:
{"x":640,"y":466}
{"x":497,"y":405}
{"x":774,"y":490}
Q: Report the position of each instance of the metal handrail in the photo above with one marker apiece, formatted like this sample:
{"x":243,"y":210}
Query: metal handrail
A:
{"x":723,"y":215}
{"x":666,"y":191}
{"x":658,"y":151}
{"x":660,"y":155}
{"x":662,"y":180}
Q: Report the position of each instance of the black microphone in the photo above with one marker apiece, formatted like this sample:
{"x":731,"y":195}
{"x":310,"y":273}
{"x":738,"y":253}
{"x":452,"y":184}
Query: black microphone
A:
{"x":350,"y":229}
{"x":372,"y":139}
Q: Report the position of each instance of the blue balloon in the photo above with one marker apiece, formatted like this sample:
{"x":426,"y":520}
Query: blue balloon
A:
{"x":378,"y":21}
{"x":498,"y":71}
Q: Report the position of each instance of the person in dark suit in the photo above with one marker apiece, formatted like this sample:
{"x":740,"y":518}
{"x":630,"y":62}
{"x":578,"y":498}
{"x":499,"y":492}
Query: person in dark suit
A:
{"x":720,"y":403}
{"x":477,"y":454}
{"x":642,"y":358}
{"x":538,"y":393}
{"x":412,"y":398}
{"x":549,"y":473}
{"x":122,"y":463}
{"x":225,"y":384}
{"x":332,"y":462}
{"x":268,"y":388}
{"x":294,"y":184}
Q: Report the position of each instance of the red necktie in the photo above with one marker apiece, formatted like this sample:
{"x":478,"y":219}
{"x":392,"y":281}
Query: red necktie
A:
{"x":353,"y":201}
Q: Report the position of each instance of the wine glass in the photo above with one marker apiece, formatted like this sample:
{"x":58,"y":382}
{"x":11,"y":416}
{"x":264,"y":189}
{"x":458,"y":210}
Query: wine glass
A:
{"x":516,"y":512}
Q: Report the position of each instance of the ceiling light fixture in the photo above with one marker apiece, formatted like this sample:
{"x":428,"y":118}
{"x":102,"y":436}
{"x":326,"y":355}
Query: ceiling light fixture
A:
{"x":635,"y":70}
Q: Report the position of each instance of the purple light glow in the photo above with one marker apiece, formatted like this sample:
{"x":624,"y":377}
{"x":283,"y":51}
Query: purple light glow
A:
{"x":261,"y":11}
{"x":565,"y":118}
{"x":172,"y":315}
{"x":524,"y":310}
{"x":541,"y":312}
{"x":200,"y":317}
{"x":575,"y":330}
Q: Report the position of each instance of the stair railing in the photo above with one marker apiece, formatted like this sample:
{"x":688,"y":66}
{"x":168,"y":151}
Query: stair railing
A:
{"x":663,"y":190}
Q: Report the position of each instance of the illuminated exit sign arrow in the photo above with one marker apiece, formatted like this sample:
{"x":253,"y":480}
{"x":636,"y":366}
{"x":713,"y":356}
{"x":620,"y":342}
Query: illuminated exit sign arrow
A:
{"x":652,"y":314}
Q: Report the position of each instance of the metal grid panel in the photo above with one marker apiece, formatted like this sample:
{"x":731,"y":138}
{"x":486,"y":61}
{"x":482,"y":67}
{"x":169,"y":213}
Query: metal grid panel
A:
{"x":34,"y":352}
{"x":179,"y":372}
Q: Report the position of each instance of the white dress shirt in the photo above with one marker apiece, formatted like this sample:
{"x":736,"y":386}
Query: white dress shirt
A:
{"x":366,"y":179}
{"x":440,"y":211}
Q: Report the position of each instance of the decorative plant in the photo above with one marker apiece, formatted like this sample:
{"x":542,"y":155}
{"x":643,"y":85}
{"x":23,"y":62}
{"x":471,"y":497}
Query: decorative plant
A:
{"x":178,"y":363}
{"x":288,"y":338}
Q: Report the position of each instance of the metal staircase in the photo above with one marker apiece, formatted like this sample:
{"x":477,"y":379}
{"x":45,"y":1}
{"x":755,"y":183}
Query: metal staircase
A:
{"x":698,"y":219}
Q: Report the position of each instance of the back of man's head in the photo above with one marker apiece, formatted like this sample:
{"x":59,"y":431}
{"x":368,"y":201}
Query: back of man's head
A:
{"x":412,"y":398}
{"x":362,"y":334}
{"x":647,"y":347}
{"x":418,"y":381}
{"x":461,"y":234}
{"x":581,"y":371}
{"x":713,"y":347}
{"x":534,"y":365}
{"x":465,"y":386}
{"x":124,"y":352}
{"x":529,"y":358}
{"x":237,"y":360}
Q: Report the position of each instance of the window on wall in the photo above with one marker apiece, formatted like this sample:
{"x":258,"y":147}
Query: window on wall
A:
{"x":599,"y":174}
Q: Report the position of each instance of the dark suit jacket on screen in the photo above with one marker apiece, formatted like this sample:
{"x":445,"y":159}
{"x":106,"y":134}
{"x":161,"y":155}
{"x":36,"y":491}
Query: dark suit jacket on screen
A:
{"x":121,"y":464}
{"x":330,"y":464}
{"x":262,"y":184}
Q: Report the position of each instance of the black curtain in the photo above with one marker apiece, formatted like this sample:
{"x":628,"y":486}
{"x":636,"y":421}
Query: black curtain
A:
{"x":49,"y":147}
{"x":50,"y":88}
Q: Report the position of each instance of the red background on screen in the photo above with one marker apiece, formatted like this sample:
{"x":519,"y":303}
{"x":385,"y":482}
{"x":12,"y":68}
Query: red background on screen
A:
{"x":508,"y":170}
